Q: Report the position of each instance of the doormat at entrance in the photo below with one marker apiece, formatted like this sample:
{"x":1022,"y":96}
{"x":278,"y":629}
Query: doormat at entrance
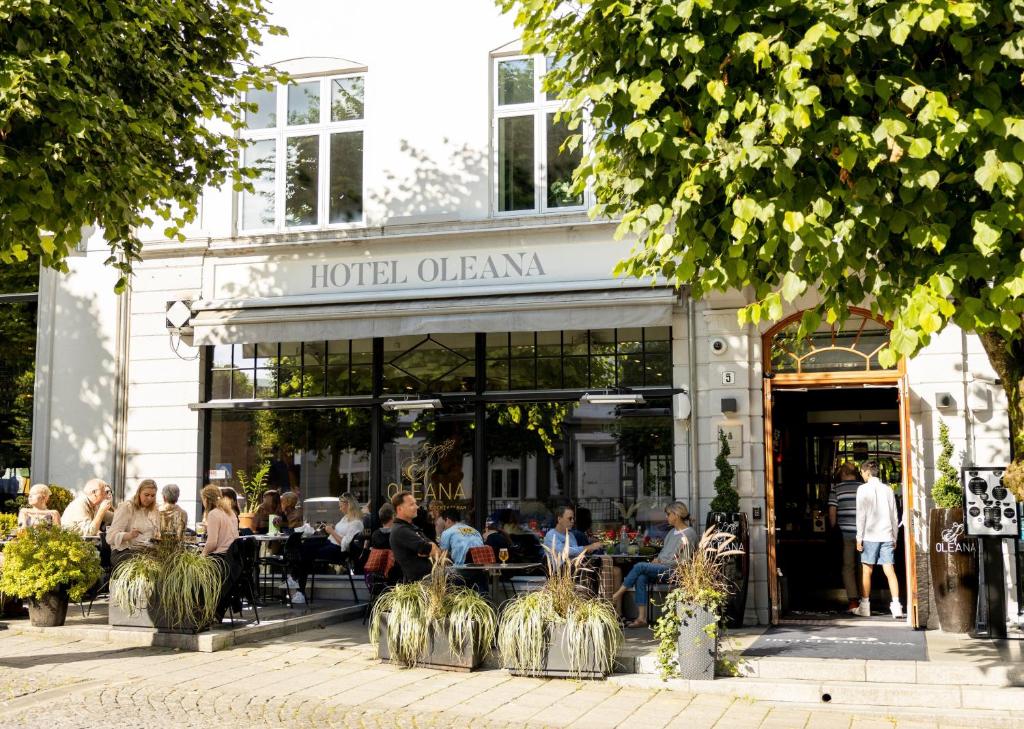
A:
{"x":871,"y":641}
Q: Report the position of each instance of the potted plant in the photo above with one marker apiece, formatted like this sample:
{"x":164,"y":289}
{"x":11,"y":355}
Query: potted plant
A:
{"x":48,"y":566}
{"x":560,"y":630}
{"x":689,"y":627}
{"x":725,"y":516}
{"x":168,"y":587}
{"x":953,"y":557}
{"x":253,"y":488}
{"x":433,"y":623}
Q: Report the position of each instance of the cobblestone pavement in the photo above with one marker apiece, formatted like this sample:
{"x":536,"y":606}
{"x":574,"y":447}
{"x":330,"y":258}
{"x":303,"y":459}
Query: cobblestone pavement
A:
{"x":329,"y":678}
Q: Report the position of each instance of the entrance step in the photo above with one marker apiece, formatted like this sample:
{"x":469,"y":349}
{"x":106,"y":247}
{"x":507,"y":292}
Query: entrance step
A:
{"x":924,"y":673}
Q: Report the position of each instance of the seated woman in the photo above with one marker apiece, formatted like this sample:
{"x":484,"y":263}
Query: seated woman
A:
{"x":36,"y":512}
{"x":335,"y":549}
{"x":679,"y":544}
{"x":173,"y":519}
{"x":270,"y":508}
{"x":136,"y":523}
{"x":221,"y":532}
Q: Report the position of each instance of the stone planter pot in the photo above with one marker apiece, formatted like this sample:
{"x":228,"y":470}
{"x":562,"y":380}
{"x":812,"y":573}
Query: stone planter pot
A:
{"x":151,"y":617}
{"x":953,"y":561}
{"x":49,"y":612}
{"x":697,"y":647}
{"x":556,"y":660}
{"x":247,"y":520}
{"x":439,"y":652}
{"x":737,"y":570}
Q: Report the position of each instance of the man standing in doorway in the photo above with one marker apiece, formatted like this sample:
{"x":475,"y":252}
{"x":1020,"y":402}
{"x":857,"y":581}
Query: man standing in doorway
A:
{"x":877,"y":527}
{"x":842,"y":512}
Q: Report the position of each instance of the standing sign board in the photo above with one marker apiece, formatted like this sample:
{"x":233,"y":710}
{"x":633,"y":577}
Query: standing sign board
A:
{"x":990,"y":514}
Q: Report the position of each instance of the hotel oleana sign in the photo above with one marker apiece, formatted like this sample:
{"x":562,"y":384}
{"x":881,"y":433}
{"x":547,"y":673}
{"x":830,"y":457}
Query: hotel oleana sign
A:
{"x":517,"y":265}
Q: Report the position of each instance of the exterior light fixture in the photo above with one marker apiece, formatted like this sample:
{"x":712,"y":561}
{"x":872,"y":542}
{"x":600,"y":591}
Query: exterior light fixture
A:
{"x":411,"y":405}
{"x":614,"y":398}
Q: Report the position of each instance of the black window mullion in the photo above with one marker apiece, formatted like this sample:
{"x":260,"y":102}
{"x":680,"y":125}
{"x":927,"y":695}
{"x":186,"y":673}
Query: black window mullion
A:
{"x":643,"y":356}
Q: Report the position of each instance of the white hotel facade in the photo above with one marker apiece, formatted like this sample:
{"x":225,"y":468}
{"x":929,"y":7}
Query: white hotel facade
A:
{"x":412,"y":236}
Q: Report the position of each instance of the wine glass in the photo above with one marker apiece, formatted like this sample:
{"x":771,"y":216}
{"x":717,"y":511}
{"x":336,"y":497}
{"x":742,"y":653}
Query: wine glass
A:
{"x":503,"y":555}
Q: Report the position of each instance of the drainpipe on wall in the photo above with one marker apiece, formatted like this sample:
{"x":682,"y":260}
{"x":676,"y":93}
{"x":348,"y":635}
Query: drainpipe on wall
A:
{"x":968,"y":425}
{"x":120,"y":434}
{"x":691,"y":340}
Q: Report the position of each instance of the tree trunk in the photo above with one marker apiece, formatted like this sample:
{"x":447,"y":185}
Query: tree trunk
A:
{"x":1008,"y":362}
{"x":334,"y":478}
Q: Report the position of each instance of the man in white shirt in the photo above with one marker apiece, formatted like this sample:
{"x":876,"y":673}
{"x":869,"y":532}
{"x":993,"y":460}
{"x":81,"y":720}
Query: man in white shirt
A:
{"x":877,"y":528}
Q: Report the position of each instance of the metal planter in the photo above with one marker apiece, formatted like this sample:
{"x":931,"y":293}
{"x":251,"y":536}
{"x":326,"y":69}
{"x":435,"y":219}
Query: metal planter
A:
{"x":556,"y":660}
{"x":151,"y":617}
{"x":439,"y":652}
{"x":697,"y":646}
{"x":953,"y":561}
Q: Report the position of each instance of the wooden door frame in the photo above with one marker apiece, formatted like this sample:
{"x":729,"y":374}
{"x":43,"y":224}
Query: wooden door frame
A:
{"x":790,"y":381}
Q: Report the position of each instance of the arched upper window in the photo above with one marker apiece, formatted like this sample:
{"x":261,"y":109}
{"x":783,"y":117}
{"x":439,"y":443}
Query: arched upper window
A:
{"x":852,"y":348}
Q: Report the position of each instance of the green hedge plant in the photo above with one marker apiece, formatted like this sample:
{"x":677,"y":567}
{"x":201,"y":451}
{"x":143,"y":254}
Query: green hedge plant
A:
{"x":727,"y":499}
{"x":43,"y":559}
{"x":946,"y":491}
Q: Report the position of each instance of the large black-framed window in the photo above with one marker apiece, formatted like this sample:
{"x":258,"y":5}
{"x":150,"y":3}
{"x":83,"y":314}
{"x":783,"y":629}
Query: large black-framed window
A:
{"x":315,"y":413}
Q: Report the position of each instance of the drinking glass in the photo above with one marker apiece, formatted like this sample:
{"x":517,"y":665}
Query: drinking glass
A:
{"x":503,"y":555}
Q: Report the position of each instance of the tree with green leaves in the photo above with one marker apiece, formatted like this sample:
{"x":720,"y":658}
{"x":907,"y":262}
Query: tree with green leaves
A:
{"x":870,"y":152}
{"x":113,"y":113}
{"x":17,"y":362}
{"x":946,"y":491}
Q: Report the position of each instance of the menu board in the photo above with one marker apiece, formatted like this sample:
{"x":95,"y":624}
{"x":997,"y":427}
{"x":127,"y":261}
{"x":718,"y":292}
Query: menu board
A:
{"x":990,"y":510}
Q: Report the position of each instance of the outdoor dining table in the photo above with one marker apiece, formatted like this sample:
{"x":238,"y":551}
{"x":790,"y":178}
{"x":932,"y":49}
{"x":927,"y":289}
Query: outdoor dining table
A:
{"x":496,"y":571}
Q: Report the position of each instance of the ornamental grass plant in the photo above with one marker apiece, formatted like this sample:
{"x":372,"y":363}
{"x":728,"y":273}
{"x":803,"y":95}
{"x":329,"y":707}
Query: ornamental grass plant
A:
{"x":591,"y":634}
{"x":415,"y":612}
{"x":184,"y":584}
{"x":699,"y":582}
{"x":46,"y":559}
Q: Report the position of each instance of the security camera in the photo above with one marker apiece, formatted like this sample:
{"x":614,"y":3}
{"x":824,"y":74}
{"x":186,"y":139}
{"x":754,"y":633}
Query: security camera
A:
{"x":719,"y":346}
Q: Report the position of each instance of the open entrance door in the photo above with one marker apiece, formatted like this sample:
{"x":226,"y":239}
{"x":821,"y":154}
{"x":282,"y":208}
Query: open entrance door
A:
{"x":828,"y":399}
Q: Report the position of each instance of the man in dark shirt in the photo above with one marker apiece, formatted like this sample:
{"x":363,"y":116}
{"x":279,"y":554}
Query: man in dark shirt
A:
{"x":411,"y":547}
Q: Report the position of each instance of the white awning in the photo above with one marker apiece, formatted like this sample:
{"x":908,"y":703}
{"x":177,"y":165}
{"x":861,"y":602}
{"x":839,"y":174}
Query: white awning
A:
{"x":620,"y":308}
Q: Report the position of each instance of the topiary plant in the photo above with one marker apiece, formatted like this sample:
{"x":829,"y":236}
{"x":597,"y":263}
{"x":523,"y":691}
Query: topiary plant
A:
{"x":946,"y":491}
{"x":44,"y":559}
{"x":727,"y":499}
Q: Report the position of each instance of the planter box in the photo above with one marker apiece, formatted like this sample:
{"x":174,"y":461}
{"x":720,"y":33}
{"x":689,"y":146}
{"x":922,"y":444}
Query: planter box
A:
{"x":696,"y":649}
{"x":556,"y":661}
{"x":150,"y":617}
{"x":439,"y":653}
{"x":953,"y":560}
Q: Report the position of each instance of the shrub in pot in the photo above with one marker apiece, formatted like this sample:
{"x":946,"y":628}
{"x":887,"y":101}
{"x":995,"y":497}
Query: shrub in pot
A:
{"x":953,"y":558}
{"x":168,"y":587}
{"x":562,"y":630}
{"x":689,"y":627}
{"x":48,"y":565}
{"x":433,"y":622}
{"x":725,"y":515}
{"x":253,"y":488}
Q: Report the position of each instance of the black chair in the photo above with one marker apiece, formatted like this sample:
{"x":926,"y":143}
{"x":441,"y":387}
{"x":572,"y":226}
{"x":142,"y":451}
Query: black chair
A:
{"x":324,"y":566}
{"x":244,"y":553}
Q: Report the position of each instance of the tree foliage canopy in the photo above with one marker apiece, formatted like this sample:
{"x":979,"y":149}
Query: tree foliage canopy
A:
{"x":869,"y":150}
{"x":112,"y":109}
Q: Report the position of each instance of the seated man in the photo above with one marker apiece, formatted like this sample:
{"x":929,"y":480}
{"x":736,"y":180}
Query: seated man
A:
{"x":561,"y":535}
{"x":90,"y":510}
{"x":411,"y":547}
{"x":458,"y":538}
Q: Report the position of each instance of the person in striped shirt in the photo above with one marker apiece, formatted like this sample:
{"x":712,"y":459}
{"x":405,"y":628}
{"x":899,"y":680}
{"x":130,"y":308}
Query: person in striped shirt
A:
{"x":842,"y":512}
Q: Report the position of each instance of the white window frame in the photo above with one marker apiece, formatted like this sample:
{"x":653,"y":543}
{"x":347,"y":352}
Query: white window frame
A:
{"x":281,"y":133}
{"x":539,"y":109}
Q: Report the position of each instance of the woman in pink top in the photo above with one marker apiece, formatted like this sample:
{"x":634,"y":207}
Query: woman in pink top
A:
{"x":221,"y":525}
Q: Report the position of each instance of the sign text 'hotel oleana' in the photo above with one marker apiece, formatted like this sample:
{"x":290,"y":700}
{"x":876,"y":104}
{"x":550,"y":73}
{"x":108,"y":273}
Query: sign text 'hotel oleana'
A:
{"x":427,"y":270}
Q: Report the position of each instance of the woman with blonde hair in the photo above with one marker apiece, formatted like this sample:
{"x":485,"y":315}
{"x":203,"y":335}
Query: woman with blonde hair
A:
{"x":678,"y":545}
{"x":36,"y":512}
{"x":221,"y":533}
{"x":136,"y":523}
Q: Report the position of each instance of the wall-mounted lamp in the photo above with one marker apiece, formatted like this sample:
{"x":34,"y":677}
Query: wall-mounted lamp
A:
{"x":729,"y":405}
{"x":411,"y":405}
{"x":944,"y":400}
{"x":615,"y":398}
{"x":681,"y":407}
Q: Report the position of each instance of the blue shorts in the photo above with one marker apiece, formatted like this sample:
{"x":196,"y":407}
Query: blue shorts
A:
{"x":878,"y":553}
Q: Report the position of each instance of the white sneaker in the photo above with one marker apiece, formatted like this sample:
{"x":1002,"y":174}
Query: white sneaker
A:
{"x":291,"y":583}
{"x":298,"y":599}
{"x":896,"y":609}
{"x":863,"y":610}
